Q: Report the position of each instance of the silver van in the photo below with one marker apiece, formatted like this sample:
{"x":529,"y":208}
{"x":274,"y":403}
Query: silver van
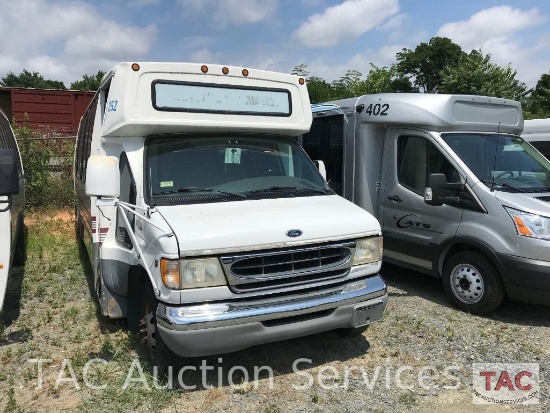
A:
{"x":12,"y":204}
{"x":458,"y":193}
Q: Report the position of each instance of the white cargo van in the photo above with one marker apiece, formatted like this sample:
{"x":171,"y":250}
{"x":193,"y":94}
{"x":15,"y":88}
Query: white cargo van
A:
{"x":207,"y":224}
{"x":458,"y":193}
{"x":12,"y":205}
{"x":537,"y":133}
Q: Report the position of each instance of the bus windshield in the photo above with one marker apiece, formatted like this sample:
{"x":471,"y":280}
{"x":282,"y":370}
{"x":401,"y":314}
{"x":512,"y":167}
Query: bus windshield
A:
{"x":502,"y":162}
{"x":185,"y":168}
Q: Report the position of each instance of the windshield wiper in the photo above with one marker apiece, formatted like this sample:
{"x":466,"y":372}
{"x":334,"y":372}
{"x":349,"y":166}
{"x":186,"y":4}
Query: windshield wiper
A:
{"x":198,"y":189}
{"x":291,"y":188}
{"x":503,"y":185}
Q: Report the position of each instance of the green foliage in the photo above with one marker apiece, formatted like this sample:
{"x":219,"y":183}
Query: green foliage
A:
{"x":475,"y":74}
{"x":300,"y":70}
{"x":27,"y":79}
{"x":47,"y":162}
{"x":537,"y":105}
{"x":88,"y":83}
{"x":427,"y":61}
{"x":319,"y":90}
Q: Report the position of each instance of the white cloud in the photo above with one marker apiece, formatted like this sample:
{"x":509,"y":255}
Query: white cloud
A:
{"x":488,"y":24}
{"x":142,"y":3}
{"x":65,"y":39}
{"x":115,"y":40}
{"x":496,"y":31}
{"x":232,"y":12}
{"x":350,"y":19}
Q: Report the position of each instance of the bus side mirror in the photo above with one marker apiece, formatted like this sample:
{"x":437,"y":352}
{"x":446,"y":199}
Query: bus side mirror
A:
{"x":437,"y":191}
{"x":322,"y":169}
{"x":9,"y":176}
{"x":103,"y":177}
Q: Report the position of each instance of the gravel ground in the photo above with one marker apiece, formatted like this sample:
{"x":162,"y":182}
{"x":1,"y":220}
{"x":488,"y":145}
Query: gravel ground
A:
{"x":420,"y":335}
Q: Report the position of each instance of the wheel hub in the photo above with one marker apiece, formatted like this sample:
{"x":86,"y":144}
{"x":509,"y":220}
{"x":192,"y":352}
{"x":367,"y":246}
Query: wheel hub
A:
{"x":467,"y":283}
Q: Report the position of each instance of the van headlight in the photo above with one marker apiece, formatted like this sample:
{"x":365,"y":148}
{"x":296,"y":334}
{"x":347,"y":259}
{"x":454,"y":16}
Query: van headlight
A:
{"x":191,"y":273}
{"x":530,"y":225}
{"x":368,"y":250}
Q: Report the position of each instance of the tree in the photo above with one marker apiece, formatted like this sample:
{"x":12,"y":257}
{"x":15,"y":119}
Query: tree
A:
{"x":300,"y":70}
{"x":425,"y":64}
{"x":27,"y":79}
{"x":348,"y":85}
{"x":385,"y":80}
{"x":475,"y":74}
{"x":538,"y":104}
{"x":89,"y":83}
{"x":319,"y":90}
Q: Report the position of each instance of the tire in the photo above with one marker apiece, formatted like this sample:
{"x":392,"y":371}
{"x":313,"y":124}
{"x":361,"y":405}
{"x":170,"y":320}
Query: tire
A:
{"x":351,"y":332}
{"x":472,"y":283}
{"x":20,"y":253}
{"x":158,"y":353}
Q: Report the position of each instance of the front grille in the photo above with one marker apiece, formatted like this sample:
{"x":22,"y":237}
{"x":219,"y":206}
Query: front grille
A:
{"x":289,"y":266}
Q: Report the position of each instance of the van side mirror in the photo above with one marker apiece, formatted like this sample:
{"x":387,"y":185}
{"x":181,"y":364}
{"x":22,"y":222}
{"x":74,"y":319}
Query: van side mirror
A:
{"x":437,"y":191}
{"x":9,"y":176}
{"x":103,"y":177}
{"x":322,"y":169}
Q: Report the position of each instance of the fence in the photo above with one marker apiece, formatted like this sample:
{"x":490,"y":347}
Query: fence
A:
{"x":48,"y":165}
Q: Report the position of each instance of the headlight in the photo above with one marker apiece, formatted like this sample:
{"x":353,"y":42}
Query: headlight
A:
{"x":530,"y":225}
{"x":191,"y":273}
{"x":368,"y":250}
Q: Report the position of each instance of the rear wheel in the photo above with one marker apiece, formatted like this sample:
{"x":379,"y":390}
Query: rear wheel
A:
{"x":472,"y":283}
{"x":158,"y":352}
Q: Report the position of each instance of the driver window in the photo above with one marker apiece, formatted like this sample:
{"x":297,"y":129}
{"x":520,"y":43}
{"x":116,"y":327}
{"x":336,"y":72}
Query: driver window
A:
{"x":417,"y":158}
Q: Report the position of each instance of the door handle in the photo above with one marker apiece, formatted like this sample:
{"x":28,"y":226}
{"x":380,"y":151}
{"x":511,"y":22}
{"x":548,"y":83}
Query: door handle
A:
{"x":395,"y":198}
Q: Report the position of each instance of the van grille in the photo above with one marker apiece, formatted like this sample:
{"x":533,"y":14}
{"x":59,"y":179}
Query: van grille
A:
{"x":282,"y":267}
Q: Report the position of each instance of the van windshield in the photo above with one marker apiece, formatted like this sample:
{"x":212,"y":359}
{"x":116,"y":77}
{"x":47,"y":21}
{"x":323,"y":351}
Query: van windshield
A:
{"x":184,"y":169}
{"x":503,"y":162}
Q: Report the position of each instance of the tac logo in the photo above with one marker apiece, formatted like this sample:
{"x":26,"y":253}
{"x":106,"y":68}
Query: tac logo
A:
{"x":506,"y":383}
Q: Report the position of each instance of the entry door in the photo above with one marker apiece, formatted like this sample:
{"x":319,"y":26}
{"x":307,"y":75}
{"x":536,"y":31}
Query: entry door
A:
{"x":412,"y":229}
{"x":325,"y":142}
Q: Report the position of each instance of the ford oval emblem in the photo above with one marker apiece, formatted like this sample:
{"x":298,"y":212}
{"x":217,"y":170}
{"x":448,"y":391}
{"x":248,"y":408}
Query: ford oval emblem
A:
{"x":293,"y":233}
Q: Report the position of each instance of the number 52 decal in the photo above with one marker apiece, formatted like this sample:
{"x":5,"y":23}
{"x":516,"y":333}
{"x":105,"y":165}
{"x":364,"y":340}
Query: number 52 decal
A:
{"x":377,"y":109}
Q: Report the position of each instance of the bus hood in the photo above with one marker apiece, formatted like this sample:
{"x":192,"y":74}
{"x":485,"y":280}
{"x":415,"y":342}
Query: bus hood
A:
{"x":204,"y":229}
{"x":534,"y":203}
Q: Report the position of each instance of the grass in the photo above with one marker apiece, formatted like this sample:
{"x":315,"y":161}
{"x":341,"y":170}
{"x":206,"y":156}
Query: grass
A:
{"x":50,"y":314}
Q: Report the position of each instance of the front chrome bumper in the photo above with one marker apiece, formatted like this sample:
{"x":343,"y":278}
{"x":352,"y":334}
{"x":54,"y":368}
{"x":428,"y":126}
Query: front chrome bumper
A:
{"x":205,"y":329}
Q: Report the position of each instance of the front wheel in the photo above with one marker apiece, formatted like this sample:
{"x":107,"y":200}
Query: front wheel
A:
{"x":158,"y":352}
{"x":472,"y":283}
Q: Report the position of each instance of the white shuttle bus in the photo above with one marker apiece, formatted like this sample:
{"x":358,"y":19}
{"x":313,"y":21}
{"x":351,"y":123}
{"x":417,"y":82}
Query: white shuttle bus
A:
{"x":205,"y":221}
{"x":12,"y":205}
{"x":458,"y":193}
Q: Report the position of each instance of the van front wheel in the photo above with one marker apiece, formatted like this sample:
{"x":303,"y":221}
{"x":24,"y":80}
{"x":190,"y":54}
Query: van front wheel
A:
{"x":472,"y":283}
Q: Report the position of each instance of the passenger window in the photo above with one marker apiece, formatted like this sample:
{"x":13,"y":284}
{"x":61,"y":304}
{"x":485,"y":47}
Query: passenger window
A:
{"x":417,"y":158}
{"x":127,"y":194}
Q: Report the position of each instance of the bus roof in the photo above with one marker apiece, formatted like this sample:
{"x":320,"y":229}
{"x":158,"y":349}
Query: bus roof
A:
{"x":437,"y":112}
{"x":148,"y":98}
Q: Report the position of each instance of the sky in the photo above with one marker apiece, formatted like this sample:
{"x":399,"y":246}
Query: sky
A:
{"x":65,"y":39}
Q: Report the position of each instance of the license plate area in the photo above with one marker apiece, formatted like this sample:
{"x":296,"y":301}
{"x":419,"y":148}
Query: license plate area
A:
{"x":364,"y":314}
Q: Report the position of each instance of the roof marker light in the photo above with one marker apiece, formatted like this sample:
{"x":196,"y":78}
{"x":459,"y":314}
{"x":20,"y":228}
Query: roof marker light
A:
{"x":245,"y":72}
{"x":135,"y":67}
{"x":225,"y":70}
{"x":301,"y":81}
{"x":204,"y":69}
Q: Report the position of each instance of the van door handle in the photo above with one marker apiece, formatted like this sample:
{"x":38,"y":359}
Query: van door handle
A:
{"x":395,"y":198}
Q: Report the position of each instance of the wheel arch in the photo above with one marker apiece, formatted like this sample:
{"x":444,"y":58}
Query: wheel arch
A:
{"x":459,"y":244}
